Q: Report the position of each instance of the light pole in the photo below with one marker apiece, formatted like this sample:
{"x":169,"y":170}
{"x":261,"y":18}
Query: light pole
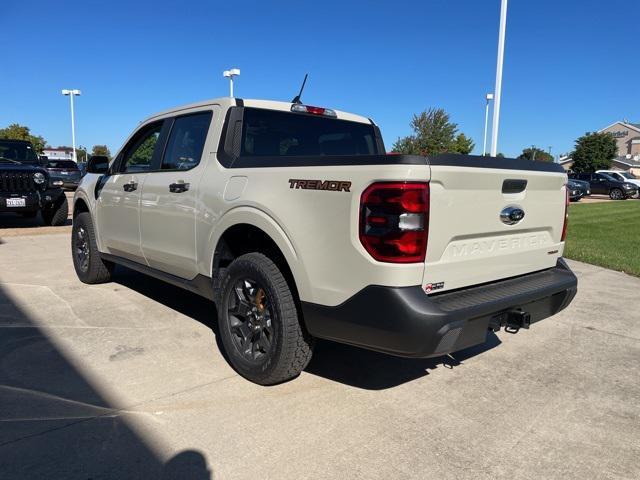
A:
{"x":234,"y":72}
{"x":71,"y":94}
{"x":498,"y":90}
{"x":486,"y":124}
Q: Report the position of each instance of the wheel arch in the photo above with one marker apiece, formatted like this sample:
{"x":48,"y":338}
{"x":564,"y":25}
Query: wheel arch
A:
{"x":80,"y":206}
{"x":246,"y":229}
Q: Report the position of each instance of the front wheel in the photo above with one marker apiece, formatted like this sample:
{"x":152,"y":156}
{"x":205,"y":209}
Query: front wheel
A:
{"x":616,"y":194}
{"x":259,"y":323}
{"x":87,"y":262}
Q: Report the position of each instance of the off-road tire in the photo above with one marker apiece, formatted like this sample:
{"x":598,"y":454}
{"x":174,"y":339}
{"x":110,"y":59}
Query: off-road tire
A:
{"x":56,"y":214}
{"x":291,"y":347}
{"x":97,"y":269}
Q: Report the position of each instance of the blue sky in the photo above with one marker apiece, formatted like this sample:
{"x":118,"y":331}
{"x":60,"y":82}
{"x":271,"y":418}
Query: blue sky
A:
{"x":571,"y":66}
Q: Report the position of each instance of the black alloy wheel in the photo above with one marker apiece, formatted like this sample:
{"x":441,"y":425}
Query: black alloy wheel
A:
{"x":616,"y":194}
{"x":250,"y":320}
{"x":260,"y":327}
{"x":81,"y":248}
{"x":89,"y":266}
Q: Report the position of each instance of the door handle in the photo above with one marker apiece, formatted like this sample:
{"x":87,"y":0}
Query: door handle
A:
{"x":130,"y":186}
{"x":179,"y":187}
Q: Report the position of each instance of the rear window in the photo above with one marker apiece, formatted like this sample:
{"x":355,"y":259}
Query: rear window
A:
{"x":275,"y":133}
{"x":62,"y":164}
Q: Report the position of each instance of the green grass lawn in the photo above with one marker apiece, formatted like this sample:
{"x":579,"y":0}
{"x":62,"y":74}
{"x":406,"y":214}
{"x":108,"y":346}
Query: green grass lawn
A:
{"x":606,"y":234}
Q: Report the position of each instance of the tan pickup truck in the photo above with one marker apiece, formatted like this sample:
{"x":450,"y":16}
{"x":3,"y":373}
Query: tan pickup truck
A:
{"x":295,"y":222}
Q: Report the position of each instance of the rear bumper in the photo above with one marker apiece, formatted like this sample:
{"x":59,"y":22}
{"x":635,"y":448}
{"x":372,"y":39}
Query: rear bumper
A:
{"x":68,"y":181}
{"x":405,"y":321}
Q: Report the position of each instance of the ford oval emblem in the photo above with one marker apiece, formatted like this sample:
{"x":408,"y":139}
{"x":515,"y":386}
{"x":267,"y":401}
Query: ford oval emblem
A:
{"x":511,"y":215}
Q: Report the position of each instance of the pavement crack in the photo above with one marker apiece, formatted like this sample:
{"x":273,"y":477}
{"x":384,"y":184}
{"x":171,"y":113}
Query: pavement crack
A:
{"x":621,"y":335}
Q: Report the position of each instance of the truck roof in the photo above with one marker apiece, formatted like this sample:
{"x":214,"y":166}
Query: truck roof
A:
{"x":226,"y":102}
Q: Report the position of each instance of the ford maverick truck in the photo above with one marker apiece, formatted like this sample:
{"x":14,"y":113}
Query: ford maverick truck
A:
{"x":294,"y":221}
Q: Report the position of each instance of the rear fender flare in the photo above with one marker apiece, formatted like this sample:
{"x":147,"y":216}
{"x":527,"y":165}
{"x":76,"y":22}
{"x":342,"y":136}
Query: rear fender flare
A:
{"x":266,"y":223}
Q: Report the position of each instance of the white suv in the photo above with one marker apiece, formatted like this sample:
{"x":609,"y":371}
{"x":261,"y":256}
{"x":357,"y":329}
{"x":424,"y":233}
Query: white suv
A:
{"x":297,"y":224}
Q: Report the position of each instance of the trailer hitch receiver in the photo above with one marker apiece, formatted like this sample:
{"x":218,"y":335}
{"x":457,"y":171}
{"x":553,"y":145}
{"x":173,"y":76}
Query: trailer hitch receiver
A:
{"x":512,"y":321}
{"x":517,"y":319}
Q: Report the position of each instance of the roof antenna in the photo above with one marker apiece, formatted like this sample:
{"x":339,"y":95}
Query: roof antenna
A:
{"x":296,"y":99}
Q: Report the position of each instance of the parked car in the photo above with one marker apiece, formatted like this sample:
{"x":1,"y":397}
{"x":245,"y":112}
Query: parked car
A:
{"x":576,"y":190}
{"x":604,"y":184}
{"x":66,"y":171}
{"x":586,"y":187}
{"x":25,"y":186}
{"x":623,"y":177}
{"x":299,"y":226}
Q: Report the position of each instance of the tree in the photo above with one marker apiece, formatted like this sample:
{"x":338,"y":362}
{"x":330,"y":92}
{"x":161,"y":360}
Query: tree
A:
{"x":537,"y":154}
{"x":101,"y":150}
{"x":463,"y":144}
{"x":433,"y":133}
{"x":16,"y":131}
{"x":594,"y":151}
{"x":81,"y":154}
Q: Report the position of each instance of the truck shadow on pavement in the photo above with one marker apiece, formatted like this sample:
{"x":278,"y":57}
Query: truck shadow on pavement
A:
{"x":341,"y":363}
{"x":56,"y":423}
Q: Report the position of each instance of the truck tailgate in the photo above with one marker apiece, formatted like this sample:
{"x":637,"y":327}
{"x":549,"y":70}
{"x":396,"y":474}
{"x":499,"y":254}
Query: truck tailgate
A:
{"x":469,"y":243}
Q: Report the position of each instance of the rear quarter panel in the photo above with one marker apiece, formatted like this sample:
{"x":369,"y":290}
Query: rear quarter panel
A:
{"x":316,"y":229}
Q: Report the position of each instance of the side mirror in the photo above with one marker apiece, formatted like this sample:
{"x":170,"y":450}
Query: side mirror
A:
{"x":44,"y":160}
{"x":98,"y":164}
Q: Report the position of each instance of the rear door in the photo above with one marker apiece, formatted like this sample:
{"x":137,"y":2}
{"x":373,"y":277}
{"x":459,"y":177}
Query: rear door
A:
{"x":168,"y":204}
{"x":487,"y":224}
{"x":118,"y":205}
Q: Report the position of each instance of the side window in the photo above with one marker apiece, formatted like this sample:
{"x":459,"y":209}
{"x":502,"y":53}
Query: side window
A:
{"x":186,"y":141}
{"x":139,"y":155}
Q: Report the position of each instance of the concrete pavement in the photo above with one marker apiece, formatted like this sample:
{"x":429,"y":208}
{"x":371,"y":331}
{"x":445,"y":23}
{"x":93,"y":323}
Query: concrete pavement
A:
{"x":126,"y":380}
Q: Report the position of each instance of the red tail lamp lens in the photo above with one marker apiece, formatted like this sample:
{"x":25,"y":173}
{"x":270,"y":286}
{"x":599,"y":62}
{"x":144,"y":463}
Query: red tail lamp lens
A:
{"x":394,"y":221}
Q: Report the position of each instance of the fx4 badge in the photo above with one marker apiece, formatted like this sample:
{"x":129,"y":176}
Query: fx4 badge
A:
{"x":430,"y":287}
{"x":330,"y":185}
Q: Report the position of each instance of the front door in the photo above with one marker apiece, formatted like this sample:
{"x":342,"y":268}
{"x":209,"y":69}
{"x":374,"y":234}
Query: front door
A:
{"x":168,"y":205}
{"x":599,"y":184}
{"x":118,"y":206}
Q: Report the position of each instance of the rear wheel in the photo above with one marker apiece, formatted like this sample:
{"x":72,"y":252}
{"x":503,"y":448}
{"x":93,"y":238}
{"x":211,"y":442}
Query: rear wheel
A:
{"x":56,"y":214}
{"x":616,"y":194}
{"x":87,"y":262}
{"x":259,"y":323}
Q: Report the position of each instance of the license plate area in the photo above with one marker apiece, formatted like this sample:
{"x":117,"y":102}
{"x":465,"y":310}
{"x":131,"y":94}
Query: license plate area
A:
{"x":16,"y":202}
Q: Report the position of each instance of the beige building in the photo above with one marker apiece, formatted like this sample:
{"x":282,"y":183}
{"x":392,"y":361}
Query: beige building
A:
{"x":627,"y":137}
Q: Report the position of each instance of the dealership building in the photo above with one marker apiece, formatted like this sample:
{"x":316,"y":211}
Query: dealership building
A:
{"x":627,"y":137}
{"x":58,"y":153}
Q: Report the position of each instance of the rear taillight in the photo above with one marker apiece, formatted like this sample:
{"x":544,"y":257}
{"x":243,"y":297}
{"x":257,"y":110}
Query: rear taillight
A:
{"x":566,"y":214}
{"x":394,"y":221}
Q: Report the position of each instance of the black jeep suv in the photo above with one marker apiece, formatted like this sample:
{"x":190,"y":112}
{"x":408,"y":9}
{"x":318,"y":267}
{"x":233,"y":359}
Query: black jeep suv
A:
{"x":25,"y":186}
